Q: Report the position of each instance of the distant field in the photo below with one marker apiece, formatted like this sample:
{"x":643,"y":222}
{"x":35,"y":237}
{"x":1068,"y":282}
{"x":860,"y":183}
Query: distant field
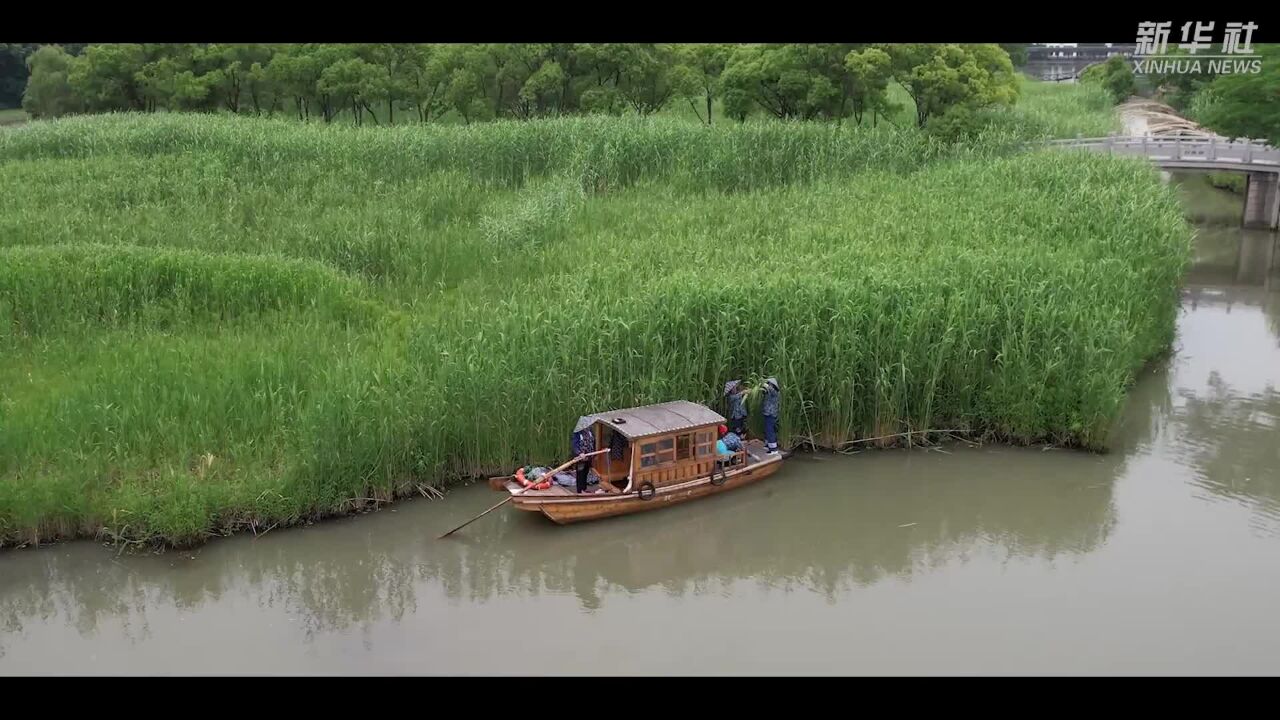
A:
{"x":16,"y":116}
{"x":211,"y":321}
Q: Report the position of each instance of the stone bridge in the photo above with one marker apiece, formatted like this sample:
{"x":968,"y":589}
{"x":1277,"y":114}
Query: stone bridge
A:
{"x":1259,"y":162}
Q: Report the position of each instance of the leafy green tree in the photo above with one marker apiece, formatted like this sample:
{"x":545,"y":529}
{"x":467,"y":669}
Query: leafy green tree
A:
{"x":105,"y":77}
{"x":395,"y":62}
{"x":526,"y":80}
{"x":1114,"y":75}
{"x":1173,"y":87}
{"x":789,"y":81}
{"x":357,"y":82}
{"x":529,"y":80}
{"x":427,"y":77}
{"x":293,"y":72}
{"x":941,"y":77}
{"x":772,"y":77}
{"x":539,"y":92}
{"x":323,"y":56}
{"x":231,"y":77}
{"x":191,"y":92}
{"x":14,"y":71}
{"x":465,"y":94}
{"x":472,"y":77}
{"x":155,"y":80}
{"x":635,"y":75}
{"x":302,"y":72}
{"x":697,"y":74}
{"x":158,"y":78}
{"x":646,"y":80}
{"x":870,"y":71}
{"x":1244,"y":105}
{"x":48,"y":93}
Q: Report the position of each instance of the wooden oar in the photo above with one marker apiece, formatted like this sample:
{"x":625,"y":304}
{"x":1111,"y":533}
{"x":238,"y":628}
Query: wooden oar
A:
{"x":550,"y":474}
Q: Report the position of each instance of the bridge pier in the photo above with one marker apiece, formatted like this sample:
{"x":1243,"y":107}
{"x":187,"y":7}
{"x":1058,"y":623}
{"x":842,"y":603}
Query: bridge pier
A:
{"x":1262,"y":200}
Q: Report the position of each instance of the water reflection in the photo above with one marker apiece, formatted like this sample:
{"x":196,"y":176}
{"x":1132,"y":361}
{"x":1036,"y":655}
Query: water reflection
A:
{"x":828,"y":524}
{"x":1230,"y":257}
{"x":1228,"y":375}
{"x":1228,"y":386}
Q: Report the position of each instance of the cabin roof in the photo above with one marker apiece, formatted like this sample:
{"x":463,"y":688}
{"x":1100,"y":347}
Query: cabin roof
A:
{"x":657,"y":419}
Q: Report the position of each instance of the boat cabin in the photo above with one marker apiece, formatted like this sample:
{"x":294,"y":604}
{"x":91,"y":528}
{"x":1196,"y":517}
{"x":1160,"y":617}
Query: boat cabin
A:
{"x":661,"y":444}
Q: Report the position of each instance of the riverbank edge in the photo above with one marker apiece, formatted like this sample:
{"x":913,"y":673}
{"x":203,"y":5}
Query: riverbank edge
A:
{"x":53,"y":535}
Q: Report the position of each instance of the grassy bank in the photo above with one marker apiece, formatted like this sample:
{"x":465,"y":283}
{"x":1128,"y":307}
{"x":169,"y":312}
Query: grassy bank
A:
{"x":1227,"y":181}
{"x":212,"y":323}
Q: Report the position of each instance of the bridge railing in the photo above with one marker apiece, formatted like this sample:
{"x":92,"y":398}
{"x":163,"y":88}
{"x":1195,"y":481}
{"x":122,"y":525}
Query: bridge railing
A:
{"x":1180,"y":147}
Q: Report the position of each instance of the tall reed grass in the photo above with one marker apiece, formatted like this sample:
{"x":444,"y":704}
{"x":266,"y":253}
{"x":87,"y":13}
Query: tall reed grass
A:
{"x":211,"y":323}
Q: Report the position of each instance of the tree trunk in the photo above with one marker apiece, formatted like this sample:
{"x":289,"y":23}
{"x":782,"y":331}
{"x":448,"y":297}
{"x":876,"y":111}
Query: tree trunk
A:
{"x":708,"y":108}
{"x":372,"y":114}
{"x":694,"y":106}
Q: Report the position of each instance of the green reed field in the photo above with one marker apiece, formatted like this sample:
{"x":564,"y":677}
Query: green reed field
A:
{"x":216,"y":323}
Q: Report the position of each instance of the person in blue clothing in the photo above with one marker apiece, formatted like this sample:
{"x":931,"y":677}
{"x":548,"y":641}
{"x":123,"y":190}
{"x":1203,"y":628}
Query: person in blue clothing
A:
{"x":735,"y":395}
{"x":732,"y":442}
{"x":769,"y":407}
{"x":728,"y":445}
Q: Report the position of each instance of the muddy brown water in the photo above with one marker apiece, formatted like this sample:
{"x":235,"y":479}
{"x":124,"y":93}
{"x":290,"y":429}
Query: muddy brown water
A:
{"x":1160,"y":557}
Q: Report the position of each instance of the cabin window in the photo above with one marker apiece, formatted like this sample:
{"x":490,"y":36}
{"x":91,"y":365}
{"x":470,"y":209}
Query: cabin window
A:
{"x":704,"y":444}
{"x":684,"y":447}
{"x":648,"y":454}
{"x":666,"y":451}
{"x":660,"y":452}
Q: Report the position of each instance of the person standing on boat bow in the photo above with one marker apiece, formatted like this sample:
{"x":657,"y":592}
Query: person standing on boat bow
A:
{"x":735,"y":395}
{"x":769,"y":407}
{"x":584,"y":442}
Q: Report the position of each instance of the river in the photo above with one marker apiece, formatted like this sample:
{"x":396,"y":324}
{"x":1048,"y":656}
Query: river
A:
{"x":1162,"y":556}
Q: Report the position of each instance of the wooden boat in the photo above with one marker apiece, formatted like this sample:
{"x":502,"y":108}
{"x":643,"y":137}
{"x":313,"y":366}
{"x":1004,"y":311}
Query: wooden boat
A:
{"x":659,"y":455}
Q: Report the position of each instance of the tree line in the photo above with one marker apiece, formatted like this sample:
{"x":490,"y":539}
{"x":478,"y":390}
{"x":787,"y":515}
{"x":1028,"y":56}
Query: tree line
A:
{"x":1241,"y":104}
{"x":483,"y":81}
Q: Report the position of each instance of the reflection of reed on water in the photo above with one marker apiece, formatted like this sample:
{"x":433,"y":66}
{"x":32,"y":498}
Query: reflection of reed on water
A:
{"x":1226,"y":425}
{"x":822,"y":524}
{"x":347,"y":580}
{"x":1229,"y":437}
